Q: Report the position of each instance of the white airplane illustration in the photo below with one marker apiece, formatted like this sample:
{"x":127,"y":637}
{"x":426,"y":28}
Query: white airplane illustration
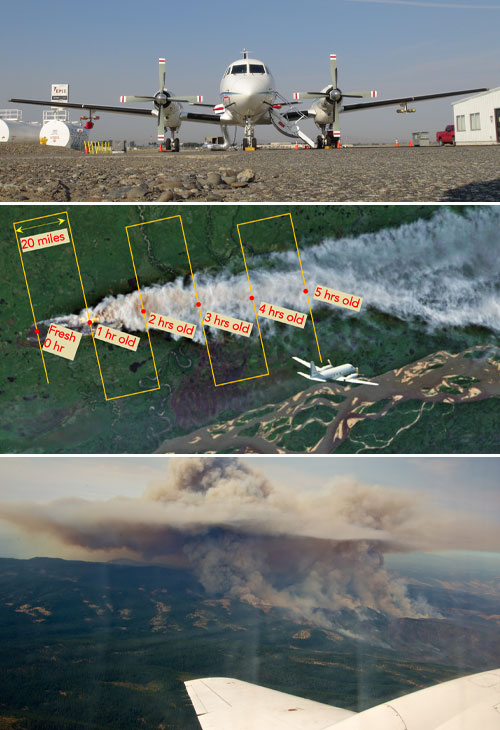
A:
{"x":468,"y":703}
{"x":346,"y":373}
{"x":248,"y":97}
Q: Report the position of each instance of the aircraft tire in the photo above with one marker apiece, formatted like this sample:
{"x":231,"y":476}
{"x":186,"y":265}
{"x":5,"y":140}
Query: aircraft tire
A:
{"x":168,"y":144}
{"x":319,"y":142}
{"x":244,"y":143}
{"x":254,"y":143}
{"x":176,"y":146}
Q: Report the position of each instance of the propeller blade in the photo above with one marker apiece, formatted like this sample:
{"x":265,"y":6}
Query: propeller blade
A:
{"x":360,"y":94}
{"x":187,"y":99}
{"x":161,"y":73}
{"x":308,"y":94}
{"x":336,"y":123}
{"x":161,"y":124}
{"x":333,"y":69}
{"x":125,"y":99}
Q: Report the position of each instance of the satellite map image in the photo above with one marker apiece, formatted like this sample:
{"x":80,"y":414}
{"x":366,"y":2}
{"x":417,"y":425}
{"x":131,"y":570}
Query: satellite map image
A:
{"x":127,"y":330}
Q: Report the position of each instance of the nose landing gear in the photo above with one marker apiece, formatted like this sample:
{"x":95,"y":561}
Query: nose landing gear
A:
{"x":249,"y":141}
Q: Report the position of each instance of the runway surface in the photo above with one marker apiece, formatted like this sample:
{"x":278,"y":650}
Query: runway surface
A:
{"x":383,"y":174}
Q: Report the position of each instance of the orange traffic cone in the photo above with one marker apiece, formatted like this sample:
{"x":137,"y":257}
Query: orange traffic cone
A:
{"x":397,"y":143}
{"x":296,"y":145}
{"x":160,"y":149}
{"x":410,"y":143}
{"x":338,"y":144}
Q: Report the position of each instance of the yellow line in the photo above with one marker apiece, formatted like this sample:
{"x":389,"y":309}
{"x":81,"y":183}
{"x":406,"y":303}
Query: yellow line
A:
{"x":270,"y":217}
{"x":252,"y":377}
{"x":197,"y":300}
{"x":281,"y":215}
{"x":126,"y":395}
{"x":305,"y":287}
{"x":86,"y":305}
{"x":253,"y":300}
{"x":142,"y":307}
{"x":51,"y":215}
{"x":29,"y":297}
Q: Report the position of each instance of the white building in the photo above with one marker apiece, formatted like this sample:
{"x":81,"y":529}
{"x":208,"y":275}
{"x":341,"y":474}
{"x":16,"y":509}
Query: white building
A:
{"x":477,"y":118}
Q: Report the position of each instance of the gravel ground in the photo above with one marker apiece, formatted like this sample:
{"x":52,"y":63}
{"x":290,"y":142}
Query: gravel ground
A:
{"x":385,"y":174}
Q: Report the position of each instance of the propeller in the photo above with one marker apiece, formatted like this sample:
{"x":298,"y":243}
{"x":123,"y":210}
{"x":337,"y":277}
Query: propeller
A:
{"x":162,"y":99}
{"x":333,"y":95}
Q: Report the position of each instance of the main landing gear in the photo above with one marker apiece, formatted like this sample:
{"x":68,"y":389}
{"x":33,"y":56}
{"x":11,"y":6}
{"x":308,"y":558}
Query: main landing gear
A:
{"x":172,"y":144}
{"x":326,"y":140}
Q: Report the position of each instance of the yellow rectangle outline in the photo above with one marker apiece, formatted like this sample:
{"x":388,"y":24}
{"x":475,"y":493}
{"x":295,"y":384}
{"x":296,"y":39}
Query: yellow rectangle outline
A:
{"x":65,"y":212}
{"x":216,"y":384}
{"x":258,"y":220}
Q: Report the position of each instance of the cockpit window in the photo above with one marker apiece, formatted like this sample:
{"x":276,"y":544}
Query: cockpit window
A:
{"x":239,"y":68}
{"x":257,"y":68}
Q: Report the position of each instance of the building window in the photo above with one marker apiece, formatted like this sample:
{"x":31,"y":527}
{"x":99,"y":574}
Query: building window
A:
{"x":461,"y":123}
{"x":475,"y":122}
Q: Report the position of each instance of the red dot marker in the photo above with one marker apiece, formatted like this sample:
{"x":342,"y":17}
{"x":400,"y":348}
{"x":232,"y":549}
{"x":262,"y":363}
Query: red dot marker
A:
{"x":198,"y":304}
{"x":143,"y":311}
{"x":306,"y":291}
{"x":89,"y":321}
{"x":37,"y":331}
{"x":252,"y":298}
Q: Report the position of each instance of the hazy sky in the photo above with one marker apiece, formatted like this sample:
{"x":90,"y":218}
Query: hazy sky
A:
{"x":399,"y":47}
{"x":466,"y":485}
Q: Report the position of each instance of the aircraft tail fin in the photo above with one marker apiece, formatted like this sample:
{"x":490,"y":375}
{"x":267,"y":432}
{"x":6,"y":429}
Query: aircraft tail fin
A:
{"x":312,"y":370}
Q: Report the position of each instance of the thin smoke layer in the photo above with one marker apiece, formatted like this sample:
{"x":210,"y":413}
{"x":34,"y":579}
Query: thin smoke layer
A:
{"x":444,"y":271}
{"x":311,"y":552}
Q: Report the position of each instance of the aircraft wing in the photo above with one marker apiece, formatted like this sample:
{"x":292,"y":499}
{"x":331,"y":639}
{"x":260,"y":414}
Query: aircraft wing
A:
{"x":302,"y":362}
{"x":405,"y":99}
{"x":309,"y":377}
{"x":89,"y":107}
{"x":230,"y":704}
{"x":467,"y":703}
{"x":358,"y":381}
{"x":206,"y":118}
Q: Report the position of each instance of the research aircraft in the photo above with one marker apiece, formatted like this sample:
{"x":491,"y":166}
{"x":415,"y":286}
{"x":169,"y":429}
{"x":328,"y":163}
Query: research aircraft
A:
{"x":344,"y":373}
{"x":248,"y":97}
{"x":467,"y":703}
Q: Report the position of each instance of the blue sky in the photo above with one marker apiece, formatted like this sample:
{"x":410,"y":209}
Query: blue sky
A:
{"x":395,"y":46}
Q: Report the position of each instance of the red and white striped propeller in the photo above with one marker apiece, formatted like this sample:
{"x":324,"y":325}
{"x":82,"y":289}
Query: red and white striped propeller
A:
{"x":162,"y":99}
{"x":332,"y":94}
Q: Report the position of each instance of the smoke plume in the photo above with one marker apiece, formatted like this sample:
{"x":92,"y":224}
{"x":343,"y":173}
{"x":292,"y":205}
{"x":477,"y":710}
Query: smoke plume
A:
{"x":311,"y":552}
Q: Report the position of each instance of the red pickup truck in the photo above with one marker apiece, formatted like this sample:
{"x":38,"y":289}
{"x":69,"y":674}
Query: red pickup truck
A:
{"x":447,"y":136}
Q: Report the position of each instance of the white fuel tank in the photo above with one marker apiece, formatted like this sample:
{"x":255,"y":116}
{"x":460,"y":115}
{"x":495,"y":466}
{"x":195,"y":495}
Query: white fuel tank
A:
{"x":63,"y":134}
{"x":13,"y":131}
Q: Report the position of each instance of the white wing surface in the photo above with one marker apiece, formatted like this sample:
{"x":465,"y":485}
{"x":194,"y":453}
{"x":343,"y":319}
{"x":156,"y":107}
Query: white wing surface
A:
{"x":229,"y":704}
{"x":468,"y":703}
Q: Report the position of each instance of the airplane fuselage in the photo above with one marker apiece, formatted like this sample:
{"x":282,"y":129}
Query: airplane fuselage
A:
{"x":247,"y":90}
{"x":329,"y":372}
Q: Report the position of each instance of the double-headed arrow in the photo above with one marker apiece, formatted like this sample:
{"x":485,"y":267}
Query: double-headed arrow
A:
{"x":50,"y":223}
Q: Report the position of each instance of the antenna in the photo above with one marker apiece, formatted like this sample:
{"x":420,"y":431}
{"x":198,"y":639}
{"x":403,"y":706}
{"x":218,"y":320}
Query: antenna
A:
{"x":245,"y":53}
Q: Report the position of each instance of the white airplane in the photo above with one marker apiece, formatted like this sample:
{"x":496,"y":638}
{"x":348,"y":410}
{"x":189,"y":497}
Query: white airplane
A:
{"x":344,"y":373}
{"x":468,"y":703}
{"x":249,"y":98}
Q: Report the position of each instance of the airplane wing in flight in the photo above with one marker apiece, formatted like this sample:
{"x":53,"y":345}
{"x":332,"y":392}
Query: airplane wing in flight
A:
{"x":356,"y":380}
{"x":302,"y":362}
{"x":467,"y":703}
{"x":229,"y":704}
